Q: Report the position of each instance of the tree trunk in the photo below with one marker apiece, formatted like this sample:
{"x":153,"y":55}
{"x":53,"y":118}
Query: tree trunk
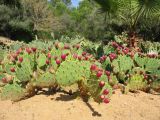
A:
{"x":133,"y":41}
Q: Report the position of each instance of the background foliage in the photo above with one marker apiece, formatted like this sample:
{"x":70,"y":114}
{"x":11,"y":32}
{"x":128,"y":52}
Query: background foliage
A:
{"x":96,"y":20}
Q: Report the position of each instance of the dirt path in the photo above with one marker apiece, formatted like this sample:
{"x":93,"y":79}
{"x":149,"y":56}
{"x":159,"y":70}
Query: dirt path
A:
{"x":140,"y":106}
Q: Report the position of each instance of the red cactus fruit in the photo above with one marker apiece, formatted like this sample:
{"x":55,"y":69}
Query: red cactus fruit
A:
{"x":28,"y":50}
{"x":104,"y":57}
{"x":93,"y":67}
{"x":84,"y":53}
{"x":101,"y":84}
{"x":79,"y":57}
{"x":34,"y":49}
{"x":47,"y":62}
{"x":101,"y":59}
{"x":17,"y":52}
{"x":106,"y":92}
{"x":49,"y":55}
{"x":114,"y":44}
{"x":63,"y":56}
{"x":99,"y":74}
{"x":86,"y":57}
{"x":12,"y":69}
{"x":102,"y":97}
{"x":20,"y":59}
{"x":4,"y":80}
{"x":125,"y":51}
{"x":106,"y":100}
{"x":112,"y":56}
{"x":108,"y":73}
{"x":58,"y":62}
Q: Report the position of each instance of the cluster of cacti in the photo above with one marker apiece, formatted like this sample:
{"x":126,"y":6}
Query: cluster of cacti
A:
{"x":148,"y":46}
{"x":127,"y":66}
{"x":136,"y":82}
{"x":41,"y":65}
{"x":26,"y":70}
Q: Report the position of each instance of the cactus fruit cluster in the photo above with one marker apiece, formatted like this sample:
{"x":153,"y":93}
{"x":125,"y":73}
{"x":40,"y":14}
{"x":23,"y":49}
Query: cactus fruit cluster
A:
{"x":27,"y":70}
{"x":41,"y":65}
{"x":137,"y":71}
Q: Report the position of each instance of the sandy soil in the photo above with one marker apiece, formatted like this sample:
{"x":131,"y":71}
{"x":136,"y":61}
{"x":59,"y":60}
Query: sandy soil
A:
{"x":60,"y":106}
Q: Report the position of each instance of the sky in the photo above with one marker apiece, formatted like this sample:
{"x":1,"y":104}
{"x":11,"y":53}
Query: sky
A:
{"x":75,"y":2}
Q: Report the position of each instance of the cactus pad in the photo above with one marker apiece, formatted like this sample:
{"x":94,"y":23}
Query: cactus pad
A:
{"x":45,"y":80}
{"x":136,"y":82}
{"x":12,"y":92}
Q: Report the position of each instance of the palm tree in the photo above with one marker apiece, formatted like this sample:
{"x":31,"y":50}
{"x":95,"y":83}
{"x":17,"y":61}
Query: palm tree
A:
{"x":131,"y":12}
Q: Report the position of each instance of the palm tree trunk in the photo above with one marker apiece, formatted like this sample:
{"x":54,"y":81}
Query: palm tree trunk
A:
{"x":133,"y":41}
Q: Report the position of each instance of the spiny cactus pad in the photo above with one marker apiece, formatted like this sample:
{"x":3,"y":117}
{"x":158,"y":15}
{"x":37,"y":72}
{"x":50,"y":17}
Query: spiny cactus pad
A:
{"x":8,"y":67}
{"x":149,"y":64}
{"x":45,"y":80}
{"x":122,"y":64}
{"x":23,"y":74}
{"x":12,"y":92}
{"x":41,"y":61}
{"x":70,"y":72}
{"x":92,"y":86}
{"x":137,"y":82}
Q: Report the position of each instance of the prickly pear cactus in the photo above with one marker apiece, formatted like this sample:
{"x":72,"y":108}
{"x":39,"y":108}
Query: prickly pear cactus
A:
{"x":148,"y":64}
{"x":45,"y":80}
{"x":29,"y":60}
{"x":23,"y":74}
{"x":103,"y":78}
{"x":137,"y":82}
{"x":107,"y":64}
{"x":152,"y":64}
{"x":41,"y":61}
{"x":113,"y":80}
{"x":84,"y":69}
{"x":140,"y":61}
{"x":71,"y":72}
{"x":7,"y":68}
{"x":12,"y":92}
{"x":94,"y":90}
{"x":53,"y":63}
{"x":122,"y":64}
{"x":56,"y":52}
{"x":26,"y":70}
